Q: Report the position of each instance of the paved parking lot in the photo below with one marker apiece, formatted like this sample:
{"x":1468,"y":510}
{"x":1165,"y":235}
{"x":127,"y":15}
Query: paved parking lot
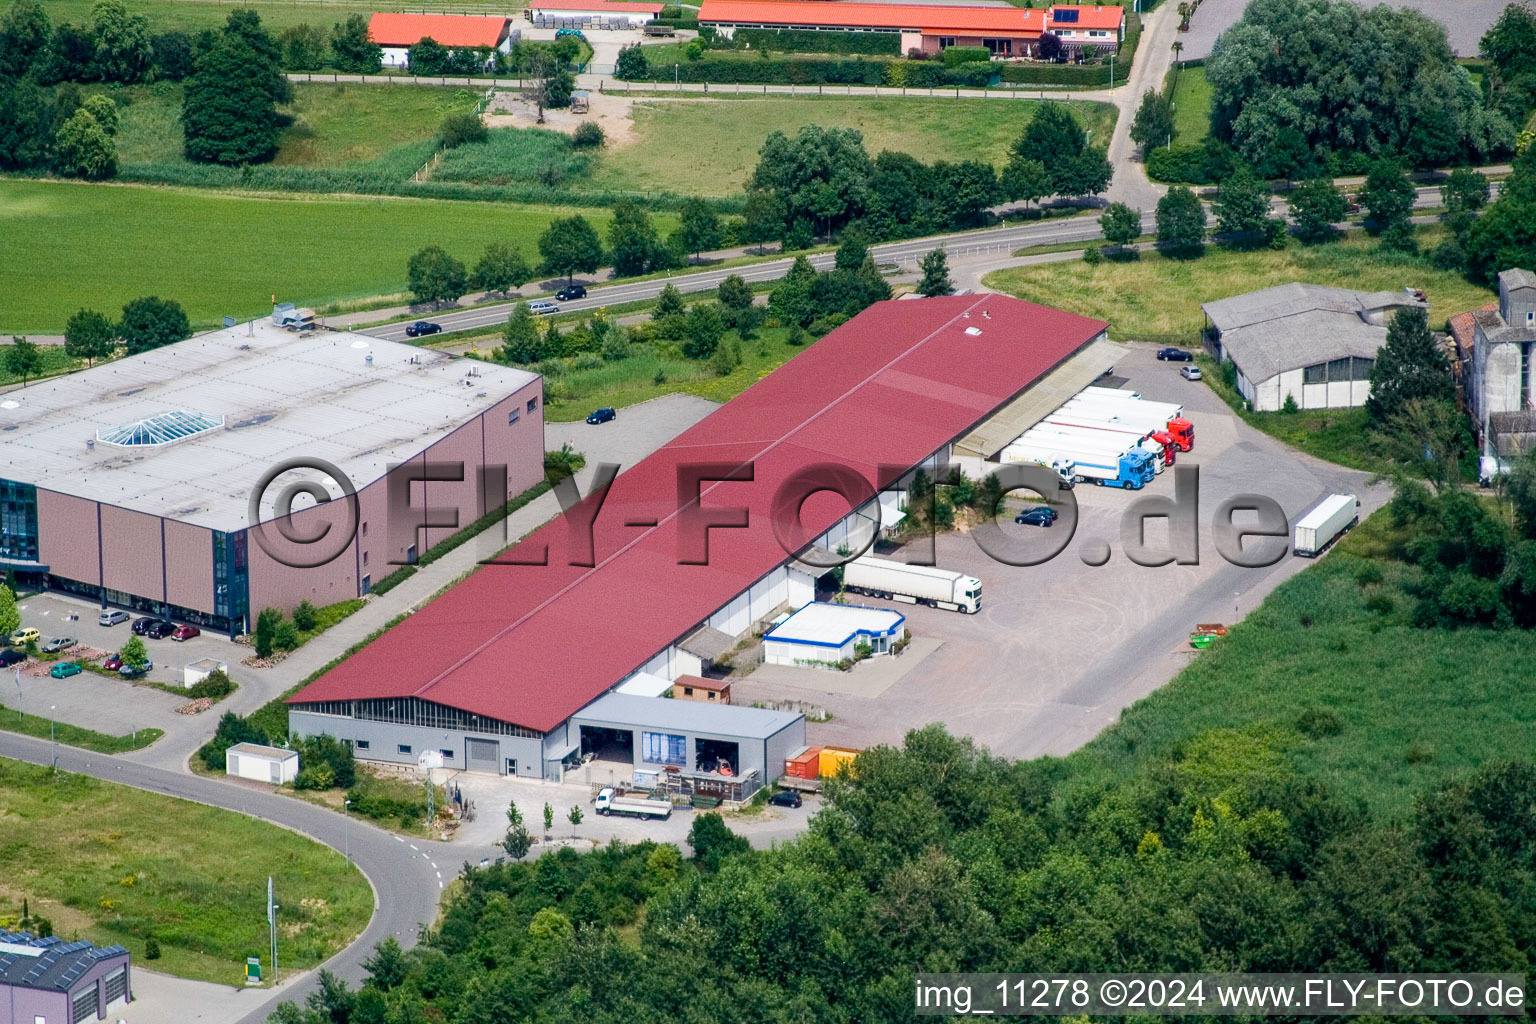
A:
{"x":112,"y":706}
{"x":1058,"y":649}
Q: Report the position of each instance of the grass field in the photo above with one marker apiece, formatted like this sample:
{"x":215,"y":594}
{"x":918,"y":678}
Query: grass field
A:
{"x":1400,"y":707}
{"x":114,"y":864}
{"x":228,"y":253}
{"x":190,"y":15}
{"x":1191,"y":107}
{"x":333,"y":125}
{"x":710,"y":146}
{"x":1158,"y":298}
{"x":572,"y":392}
{"x":38,"y":725}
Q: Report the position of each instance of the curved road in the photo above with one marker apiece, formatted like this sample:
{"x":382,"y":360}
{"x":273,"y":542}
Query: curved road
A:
{"x":405,"y":882}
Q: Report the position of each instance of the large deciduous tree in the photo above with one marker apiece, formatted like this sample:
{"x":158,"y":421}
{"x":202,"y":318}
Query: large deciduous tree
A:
{"x":436,"y":277}
{"x":1153,"y":124}
{"x":822,"y":175}
{"x":1055,"y":140}
{"x":1242,"y":205}
{"x":151,"y":322}
{"x":84,"y":148}
{"x":1316,"y":79}
{"x":1317,"y":205}
{"x":935,"y":280}
{"x":698,"y":227}
{"x":123,"y":52}
{"x":501,"y":269}
{"x":1180,"y":222}
{"x":89,"y":335}
{"x":228,"y":112}
{"x":22,"y":359}
{"x":351,"y":49}
{"x":568,"y":246}
{"x":25,"y":32}
{"x":1121,"y":225}
{"x":633,"y":241}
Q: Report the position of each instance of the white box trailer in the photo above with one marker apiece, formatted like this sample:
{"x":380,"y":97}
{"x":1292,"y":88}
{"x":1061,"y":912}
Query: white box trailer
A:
{"x":1123,"y":407}
{"x":1132,"y":469}
{"x":1153,"y":439}
{"x":1324,"y":524}
{"x":913,"y":584}
{"x":1103,"y":392}
{"x":1112,"y":439}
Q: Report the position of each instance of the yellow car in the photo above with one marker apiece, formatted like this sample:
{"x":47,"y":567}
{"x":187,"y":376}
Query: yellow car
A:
{"x":22,"y":637}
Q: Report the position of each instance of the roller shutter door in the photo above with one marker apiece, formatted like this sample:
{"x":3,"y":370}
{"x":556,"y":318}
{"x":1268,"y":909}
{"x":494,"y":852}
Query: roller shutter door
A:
{"x":82,"y":1005}
{"x":117,"y":985}
{"x":483,"y":755}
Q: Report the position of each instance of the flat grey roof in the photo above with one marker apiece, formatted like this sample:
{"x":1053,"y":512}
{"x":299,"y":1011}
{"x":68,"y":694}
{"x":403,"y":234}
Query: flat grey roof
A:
{"x":258,"y":750}
{"x":281,"y":395}
{"x":685,"y":716}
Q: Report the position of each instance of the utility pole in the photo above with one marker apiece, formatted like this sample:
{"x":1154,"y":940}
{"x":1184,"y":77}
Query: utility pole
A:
{"x":272,"y":927}
{"x":53,"y":734}
{"x":346,"y":807}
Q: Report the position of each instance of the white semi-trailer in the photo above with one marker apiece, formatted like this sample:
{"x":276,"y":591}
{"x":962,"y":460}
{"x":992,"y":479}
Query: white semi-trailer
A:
{"x":1124,"y":406}
{"x":1111,"y":438}
{"x":1132,"y":469}
{"x":913,"y":584}
{"x":1325,"y":524}
{"x":1137,"y":414}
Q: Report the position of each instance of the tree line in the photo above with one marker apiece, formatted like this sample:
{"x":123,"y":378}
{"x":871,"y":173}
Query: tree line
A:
{"x":146,"y":323}
{"x":939,"y":857}
{"x":823,"y":179}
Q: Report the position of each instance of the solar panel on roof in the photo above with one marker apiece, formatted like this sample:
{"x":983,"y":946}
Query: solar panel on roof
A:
{"x":1063,"y":15}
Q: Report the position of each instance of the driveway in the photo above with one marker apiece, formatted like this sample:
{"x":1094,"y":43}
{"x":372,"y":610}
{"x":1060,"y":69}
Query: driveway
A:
{"x":1059,"y":649}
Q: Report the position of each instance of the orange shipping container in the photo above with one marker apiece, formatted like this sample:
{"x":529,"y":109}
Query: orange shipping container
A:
{"x":804,"y":765}
{"x":834,"y":758}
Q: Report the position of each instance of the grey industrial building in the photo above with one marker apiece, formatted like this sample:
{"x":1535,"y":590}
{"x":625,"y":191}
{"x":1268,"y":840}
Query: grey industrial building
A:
{"x":45,"y":980}
{"x":1496,"y":369}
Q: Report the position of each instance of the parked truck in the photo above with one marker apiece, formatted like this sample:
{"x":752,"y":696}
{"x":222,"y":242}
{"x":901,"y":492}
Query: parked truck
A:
{"x":609,"y":802}
{"x":913,"y":584}
{"x":1325,"y":523}
{"x":1112,"y":438}
{"x":1132,"y":470}
{"x":1088,"y":421}
{"x":1138,"y":414}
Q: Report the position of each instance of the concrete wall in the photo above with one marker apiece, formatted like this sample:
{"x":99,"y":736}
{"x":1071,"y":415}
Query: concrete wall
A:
{"x":1517,"y":305}
{"x":1494,"y":384}
{"x":385,"y":738}
{"x":379,"y":544}
{"x":67,"y":540}
{"x":189,"y":566}
{"x":1269,"y":395}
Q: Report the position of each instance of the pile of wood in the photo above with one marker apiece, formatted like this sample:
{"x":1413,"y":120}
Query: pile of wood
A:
{"x":195,"y":707}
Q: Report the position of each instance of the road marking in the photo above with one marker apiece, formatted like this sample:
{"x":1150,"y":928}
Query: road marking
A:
{"x":399,"y":840}
{"x":414,"y":848}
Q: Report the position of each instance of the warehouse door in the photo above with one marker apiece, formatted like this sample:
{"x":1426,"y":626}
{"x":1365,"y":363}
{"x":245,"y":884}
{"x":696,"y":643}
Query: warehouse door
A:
{"x":117,"y":985}
{"x":482,"y":755}
{"x":82,"y":1004}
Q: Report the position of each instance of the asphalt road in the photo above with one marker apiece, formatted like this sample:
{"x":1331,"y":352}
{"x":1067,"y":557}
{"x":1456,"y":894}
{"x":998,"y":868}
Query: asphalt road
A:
{"x":1001,"y":240}
{"x":406,"y":885}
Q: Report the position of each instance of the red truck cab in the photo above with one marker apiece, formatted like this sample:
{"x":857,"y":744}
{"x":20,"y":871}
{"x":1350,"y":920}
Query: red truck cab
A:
{"x":1183,"y":433}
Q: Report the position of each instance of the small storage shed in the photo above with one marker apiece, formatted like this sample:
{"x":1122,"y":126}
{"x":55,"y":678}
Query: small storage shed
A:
{"x":710,"y":691}
{"x":195,"y":672}
{"x":261,"y":764}
{"x":825,"y":634}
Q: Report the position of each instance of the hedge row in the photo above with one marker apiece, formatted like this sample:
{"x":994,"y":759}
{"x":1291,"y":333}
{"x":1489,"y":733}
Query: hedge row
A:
{"x":812,"y":41}
{"x":912,"y":74}
{"x":380,"y":183}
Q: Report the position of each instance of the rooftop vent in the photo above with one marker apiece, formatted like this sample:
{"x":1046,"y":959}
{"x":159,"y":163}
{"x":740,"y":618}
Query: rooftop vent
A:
{"x":973,"y":331}
{"x":166,"y":428}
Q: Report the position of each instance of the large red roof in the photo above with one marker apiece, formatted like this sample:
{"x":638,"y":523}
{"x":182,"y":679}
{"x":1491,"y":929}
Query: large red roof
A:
{"x":533,"y":644}
{"x":449,"y":29}
{"x":930,"y":18}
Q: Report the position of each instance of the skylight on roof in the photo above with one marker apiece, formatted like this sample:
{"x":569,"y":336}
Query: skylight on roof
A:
{"x":166,"y":428}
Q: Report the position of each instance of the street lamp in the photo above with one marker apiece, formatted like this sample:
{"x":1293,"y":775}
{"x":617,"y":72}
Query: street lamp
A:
{"x":53,"y":734}
{"x":346,"y":806}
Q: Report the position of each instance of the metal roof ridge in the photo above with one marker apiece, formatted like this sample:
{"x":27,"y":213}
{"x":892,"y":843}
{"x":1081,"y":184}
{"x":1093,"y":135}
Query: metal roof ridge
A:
{"x":649,"y":531}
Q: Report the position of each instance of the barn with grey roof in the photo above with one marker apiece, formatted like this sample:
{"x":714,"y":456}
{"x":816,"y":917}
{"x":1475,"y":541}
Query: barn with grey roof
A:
{"x":1305,"y":342}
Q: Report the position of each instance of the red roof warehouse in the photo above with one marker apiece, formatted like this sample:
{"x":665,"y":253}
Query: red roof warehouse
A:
{"x":397,"y":33}
{"x":1006,"y":31}
{"x":532,"y":641}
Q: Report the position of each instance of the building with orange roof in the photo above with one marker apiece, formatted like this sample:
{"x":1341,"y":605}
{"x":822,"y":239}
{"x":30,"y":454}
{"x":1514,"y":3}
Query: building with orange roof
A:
{"x":1008,"y":32}
{"x":397,"y":33}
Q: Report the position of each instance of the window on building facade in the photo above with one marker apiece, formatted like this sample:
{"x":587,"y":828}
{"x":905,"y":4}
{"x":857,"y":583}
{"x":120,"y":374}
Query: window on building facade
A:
{"x":663,"y":748}
{"x":1338,"y":370}
{"x":533,"y":403}
{"x":403,"y":748}
{"x":945,"y":42}
{"x":447,"y":754}
{"x":360,"y":744}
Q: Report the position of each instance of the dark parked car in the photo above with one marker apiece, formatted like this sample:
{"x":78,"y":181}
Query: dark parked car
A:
{"x":421,"y":328}
{"x":11,"y":656}
{"x":602,"y":415}
{"x":160,"y":630}
{"x":785,"y":798}
{"x":1175,"y":355}
{"x":571,"y":291}
{"x":141,"y":626}
{"x":1040,"y":515}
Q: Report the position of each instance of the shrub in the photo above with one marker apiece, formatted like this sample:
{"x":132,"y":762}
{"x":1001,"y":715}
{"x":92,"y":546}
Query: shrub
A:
{"x":955,"y":56}
{"x":266,"y":629}
{"x":232,"y":729}
{"x":285,"y":636}
{"x":304,"y":615}
{"x":326,"y":761}
{"x":458,"y":129}
{"x":213,"y":686}
{"x":588,"y":135}
{"x":812,"y":41}
{"x":151,"y":949}
{"x":1093,"y":255}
